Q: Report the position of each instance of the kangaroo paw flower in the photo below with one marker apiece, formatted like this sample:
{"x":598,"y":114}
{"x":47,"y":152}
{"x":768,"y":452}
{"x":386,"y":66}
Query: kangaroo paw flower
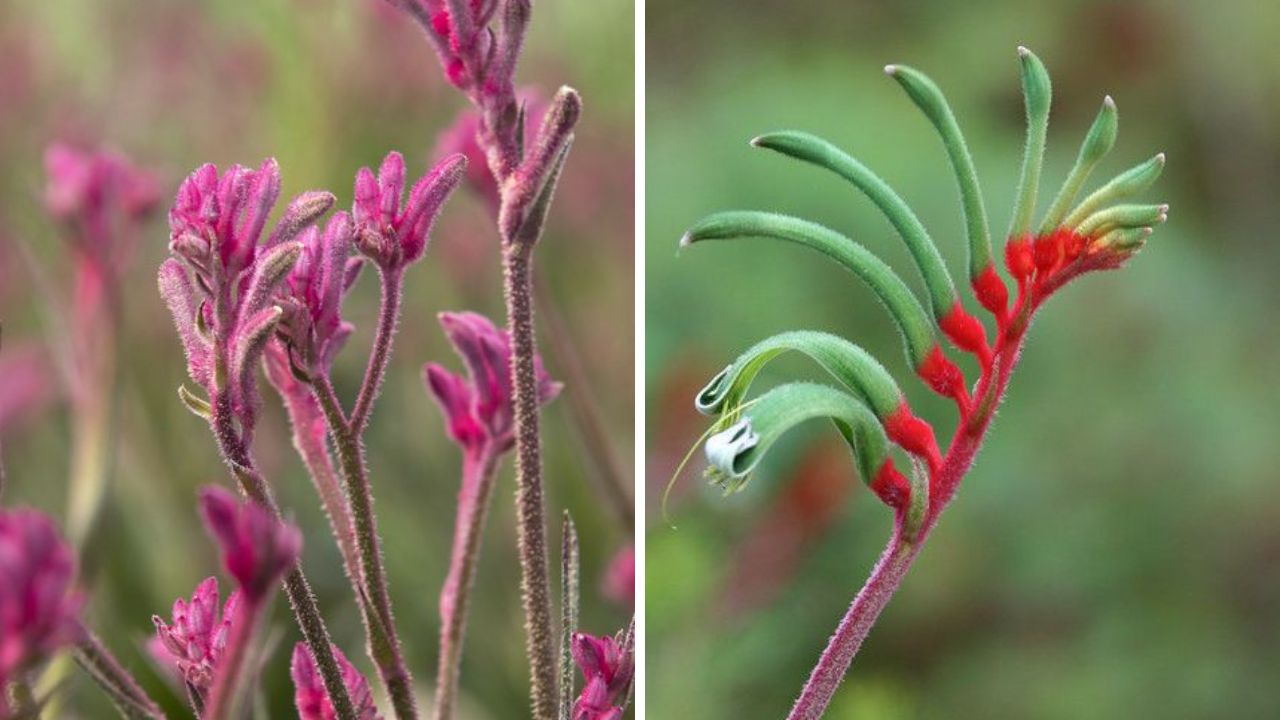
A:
{"x":478,"y":407}
{"x":196,"y":635}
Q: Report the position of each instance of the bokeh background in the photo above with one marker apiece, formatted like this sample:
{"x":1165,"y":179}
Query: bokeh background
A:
{"x":325,"y":86}
{"x":1115,"y":552}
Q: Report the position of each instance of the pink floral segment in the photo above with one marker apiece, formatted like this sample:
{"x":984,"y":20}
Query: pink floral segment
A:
{"x":606,"y":671}
{"x":221,"y":284}
{"x":257,"y":549}
{"x":196,"y":635}
{"x":309,"y":693}
{"x":391,"y":231}
{"x":620,"y":577}
{"x":478,"y":407}
{"x":312,"y":295}
{"x":39,"y":612}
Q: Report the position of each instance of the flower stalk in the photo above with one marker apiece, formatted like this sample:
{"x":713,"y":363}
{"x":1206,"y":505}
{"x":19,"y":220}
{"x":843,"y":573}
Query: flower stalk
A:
{"x":869,"y":409}
{"x":480,"y":414}
{"x":225,"y":319}
{"x":478,"y":474}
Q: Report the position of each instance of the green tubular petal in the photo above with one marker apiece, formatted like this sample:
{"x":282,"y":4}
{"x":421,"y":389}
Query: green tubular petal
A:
{"x":1037,"y":93}
{"x":1124,"y":238}
{"x":1099,"y":141}
{"x":929,"y":98}
{"x":1125,"y":185}
{"x":847,"y":362}
{"x":1122,"y":216}
{"x":815,"y":150}
{"x":733,"y":453}
{"x":916,"y":328}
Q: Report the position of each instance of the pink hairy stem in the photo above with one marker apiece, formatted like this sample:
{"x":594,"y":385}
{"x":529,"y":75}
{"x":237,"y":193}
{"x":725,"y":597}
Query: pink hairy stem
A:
{"x":478,"y":473}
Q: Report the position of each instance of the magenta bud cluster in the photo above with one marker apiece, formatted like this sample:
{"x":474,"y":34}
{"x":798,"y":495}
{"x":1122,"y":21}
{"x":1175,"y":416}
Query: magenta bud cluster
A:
{"x":607,"y":670}
{"x":257,"y":548}
{"x":312,"y":294}
{"x":196,"y":635}
{"x":478,"y":407}
{"x":391,"y":231}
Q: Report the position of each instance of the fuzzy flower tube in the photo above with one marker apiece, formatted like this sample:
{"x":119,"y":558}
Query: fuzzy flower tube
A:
{"x":479,"y":414}
{"x":479,"y":44}
{"x":1076,"y":236}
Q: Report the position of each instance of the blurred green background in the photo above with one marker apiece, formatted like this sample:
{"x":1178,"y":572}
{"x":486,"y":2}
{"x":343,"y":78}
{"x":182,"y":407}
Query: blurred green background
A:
{"x":325,"y":86}
{"x":1115,"y":552}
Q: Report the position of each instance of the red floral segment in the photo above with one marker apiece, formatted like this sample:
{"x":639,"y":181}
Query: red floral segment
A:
{"x":912,"y":434}
{"x":891,"y":486}
{"x":1048,"y":250}
{"x":965,"y":331}
{"x":991,"y":291}
{"x":1018,"y":257}
{"x":943,"y":376}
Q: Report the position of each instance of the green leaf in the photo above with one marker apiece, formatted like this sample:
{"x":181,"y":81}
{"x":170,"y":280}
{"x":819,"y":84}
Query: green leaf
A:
{"x":196,"y":404}
{"x":734,"y":452}
{"x":815,"y":150}
{"x":1037,"y":94}
{"x":917,"y":330}
{"x":1097,"y":143}
{"x":1125,"y":185}
{"x":929,"y":98}
{"x":847,"y":362}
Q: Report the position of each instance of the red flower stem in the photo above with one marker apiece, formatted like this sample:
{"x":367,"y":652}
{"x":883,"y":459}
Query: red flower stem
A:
{"x":384,"y":643}
{"x":478,"y":472}
{"x":535,"y":589}
{"x":226,"y":680}
{"x":388,"y":315}
{"x":901,"y":551}
{"x":856,"y":624}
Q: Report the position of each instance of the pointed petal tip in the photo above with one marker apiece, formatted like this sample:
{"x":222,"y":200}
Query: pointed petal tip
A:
{"x":891,"y":70}
{"x":1160,"y":158}
{"x":1023,"y":51}
{"x":1109,"y":102}
{"x":686,"y":240}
